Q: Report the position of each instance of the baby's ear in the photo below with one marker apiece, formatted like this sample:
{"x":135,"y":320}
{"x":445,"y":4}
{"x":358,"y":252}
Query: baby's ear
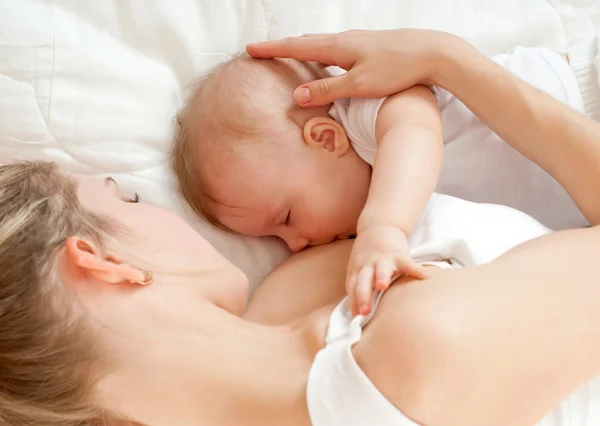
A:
{"x":326,"y":133}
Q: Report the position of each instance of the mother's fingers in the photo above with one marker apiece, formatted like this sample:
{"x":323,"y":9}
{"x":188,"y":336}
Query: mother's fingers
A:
{"x":305,"y":48}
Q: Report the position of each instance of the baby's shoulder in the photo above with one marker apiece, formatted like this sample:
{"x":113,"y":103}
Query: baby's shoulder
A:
{"x":350,"y":111}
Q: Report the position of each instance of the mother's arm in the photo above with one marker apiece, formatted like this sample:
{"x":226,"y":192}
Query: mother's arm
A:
{"x":379,"y":63}
{"x":554,"y":136}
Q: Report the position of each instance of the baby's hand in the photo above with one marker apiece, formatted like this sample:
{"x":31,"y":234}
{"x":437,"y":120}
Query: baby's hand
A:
{"x":379,"y":253}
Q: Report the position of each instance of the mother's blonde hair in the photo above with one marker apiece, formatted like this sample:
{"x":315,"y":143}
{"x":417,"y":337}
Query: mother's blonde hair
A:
{"x":50,"y":354}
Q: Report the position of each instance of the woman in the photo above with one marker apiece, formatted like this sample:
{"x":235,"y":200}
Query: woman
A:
{"x":90,"y":332}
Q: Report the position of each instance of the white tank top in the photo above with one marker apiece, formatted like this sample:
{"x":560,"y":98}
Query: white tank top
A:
{"x":340,"y":394}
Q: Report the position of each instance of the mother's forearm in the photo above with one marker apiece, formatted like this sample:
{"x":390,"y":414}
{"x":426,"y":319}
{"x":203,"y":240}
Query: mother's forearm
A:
{"x":559,"y":139}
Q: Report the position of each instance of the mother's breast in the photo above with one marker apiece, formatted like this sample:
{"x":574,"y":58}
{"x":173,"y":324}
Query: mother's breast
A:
{"x":307,"y":281}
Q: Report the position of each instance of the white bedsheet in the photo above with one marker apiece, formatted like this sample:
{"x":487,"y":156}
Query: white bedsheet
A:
{"x":94,"y":84}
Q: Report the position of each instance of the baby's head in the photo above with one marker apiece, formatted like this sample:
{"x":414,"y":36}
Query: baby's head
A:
{"x":250,"y":160}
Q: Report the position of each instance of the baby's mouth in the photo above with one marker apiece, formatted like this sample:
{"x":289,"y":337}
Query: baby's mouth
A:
{"x":344,"y":237}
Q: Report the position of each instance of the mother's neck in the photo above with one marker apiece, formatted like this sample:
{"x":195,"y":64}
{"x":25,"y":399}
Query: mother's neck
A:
{"x":219,"y":369}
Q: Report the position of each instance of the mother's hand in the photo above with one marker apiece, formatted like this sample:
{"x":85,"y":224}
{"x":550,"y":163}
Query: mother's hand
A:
{"x":379,"y":63}
{"x":554,"y":136}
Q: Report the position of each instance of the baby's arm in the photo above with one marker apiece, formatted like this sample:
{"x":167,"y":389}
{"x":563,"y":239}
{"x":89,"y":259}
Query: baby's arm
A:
{"x":408,"y":162}
{"x":405,"y":173}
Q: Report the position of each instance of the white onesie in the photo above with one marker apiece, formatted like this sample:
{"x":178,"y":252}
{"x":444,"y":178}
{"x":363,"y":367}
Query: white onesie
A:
{"x":339,"y":393}
{"x":478,"y":165}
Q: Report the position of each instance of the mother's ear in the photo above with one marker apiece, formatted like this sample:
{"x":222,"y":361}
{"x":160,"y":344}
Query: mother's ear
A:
{"x":87,"y":260}
{"x":326,"y":133}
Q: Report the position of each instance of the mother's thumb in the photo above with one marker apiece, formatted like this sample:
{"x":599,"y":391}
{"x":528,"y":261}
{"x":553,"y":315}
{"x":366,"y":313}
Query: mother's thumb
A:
{"x":322,"y":92}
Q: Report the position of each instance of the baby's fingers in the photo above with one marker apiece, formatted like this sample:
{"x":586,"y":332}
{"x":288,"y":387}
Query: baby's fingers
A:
{"x":364,"y":290}
{"x":409,"y":267}
{"x":351,"y":283}
{"x":384,"y":269}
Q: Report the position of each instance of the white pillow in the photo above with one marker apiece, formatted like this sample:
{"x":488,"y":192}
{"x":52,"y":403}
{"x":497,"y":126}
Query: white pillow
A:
{"x":95,"y":85}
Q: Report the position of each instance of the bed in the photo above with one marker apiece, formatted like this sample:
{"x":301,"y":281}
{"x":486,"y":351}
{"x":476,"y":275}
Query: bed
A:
{"x":94,"y":84}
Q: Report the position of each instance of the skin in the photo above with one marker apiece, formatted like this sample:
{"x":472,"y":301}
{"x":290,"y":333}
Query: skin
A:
{"x":295,"y":175}
{"x":308,"y":191}
{"x":164,"y":336}
{"x":264,"y":197}
{"x":535,"y":127}
{"x":409,"y":134}
{"x":557,"y":138}
{"x":324,"y":204}
{"x":457,"y":361}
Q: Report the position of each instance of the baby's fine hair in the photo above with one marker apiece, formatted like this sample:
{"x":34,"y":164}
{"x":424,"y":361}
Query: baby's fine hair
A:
{"x":243,"y":99}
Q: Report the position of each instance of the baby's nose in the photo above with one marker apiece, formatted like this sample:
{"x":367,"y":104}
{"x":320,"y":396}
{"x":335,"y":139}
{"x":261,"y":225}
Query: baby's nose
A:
{"x":297,"y":244}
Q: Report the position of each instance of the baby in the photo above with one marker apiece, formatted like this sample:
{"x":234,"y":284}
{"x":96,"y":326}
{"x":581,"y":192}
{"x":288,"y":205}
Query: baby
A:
{"x":251,"y":161}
